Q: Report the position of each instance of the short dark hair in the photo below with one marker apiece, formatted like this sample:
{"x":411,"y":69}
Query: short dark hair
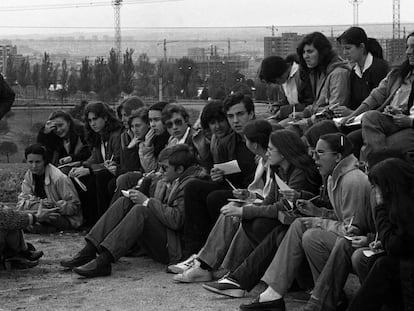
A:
{"x":339,"y":143}
{"x":141,"y":113}
{"x":272,"y":67}
{"x":129,"y":105}
{"x":321,"y":44}
{"x":313,"y":134}
{"x":159,"y":106}
{"x":38,"y":149}
{"x":213,"y":111}
{"x":238,"y":98}
{"x":258,"y":131}
{"x":170,"y":109}
{"x":178,"y":155}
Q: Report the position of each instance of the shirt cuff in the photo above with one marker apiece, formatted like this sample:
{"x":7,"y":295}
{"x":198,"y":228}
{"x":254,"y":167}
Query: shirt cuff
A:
{"x":145,"y":203}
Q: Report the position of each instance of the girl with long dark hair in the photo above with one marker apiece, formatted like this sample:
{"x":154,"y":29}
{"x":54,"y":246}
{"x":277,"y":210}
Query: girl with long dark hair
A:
{"x":64,"y":139}
{"x":348,"y":190}
{"x":103,"y":132}
{"x":389,"y":110}
{"x":390,"y":281}
{"x":229,"y":243}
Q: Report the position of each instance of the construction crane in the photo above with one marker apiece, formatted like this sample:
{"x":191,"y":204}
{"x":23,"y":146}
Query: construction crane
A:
{"x":164,"y":43}
{"x":117,"y":13}
{"x":274,"y":29}
{"x":396,"y":19}
{"x":355,"y":4}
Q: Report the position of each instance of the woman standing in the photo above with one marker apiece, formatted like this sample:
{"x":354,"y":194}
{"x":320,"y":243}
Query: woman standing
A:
{"x":103,"y":132}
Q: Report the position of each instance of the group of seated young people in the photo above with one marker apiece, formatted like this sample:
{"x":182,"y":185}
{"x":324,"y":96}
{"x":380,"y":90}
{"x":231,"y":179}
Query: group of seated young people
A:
{"x":242,"y":200}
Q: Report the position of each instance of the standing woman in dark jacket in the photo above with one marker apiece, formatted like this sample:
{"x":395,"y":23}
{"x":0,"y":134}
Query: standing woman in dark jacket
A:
{"x":103,"y":132}
{"x":64,"y":139}
{"x":391,"y":280}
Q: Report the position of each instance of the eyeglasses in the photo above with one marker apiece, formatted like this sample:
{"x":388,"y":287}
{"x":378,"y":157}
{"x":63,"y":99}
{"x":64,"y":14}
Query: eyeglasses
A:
{"x":176,"y":122}
{"x":318,"y":153}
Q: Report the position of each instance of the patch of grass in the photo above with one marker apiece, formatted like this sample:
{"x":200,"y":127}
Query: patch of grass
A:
{"x":11,"y":177}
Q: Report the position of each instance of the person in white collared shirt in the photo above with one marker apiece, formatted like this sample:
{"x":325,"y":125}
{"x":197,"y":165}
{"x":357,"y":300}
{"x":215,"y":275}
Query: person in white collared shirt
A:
{"x":369,"y":67}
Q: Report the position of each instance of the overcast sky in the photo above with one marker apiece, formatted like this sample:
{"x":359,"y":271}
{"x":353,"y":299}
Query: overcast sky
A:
{"x":192,"y":13}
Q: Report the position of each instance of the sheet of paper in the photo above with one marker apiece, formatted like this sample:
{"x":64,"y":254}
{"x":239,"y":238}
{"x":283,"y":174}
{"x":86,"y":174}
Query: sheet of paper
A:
{"x":283,"y":186}
{"x":355,"y":121}
{"x":370,"y":252}
{"x":228,"y":168}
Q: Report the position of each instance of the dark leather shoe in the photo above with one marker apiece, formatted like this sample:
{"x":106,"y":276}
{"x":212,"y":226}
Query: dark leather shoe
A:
{"x":79,"y":260}
{"x":32,"y":255}
{"x":94,"y":269}
{"x":19,"y":262}
{"x":274,"y":305}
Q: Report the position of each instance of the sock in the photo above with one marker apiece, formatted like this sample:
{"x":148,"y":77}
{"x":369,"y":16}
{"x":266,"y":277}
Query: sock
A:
{"x":269,"y":294}
{"x":105,"y":257}
{"x":203,"y":265}
{"x":89,"y":248}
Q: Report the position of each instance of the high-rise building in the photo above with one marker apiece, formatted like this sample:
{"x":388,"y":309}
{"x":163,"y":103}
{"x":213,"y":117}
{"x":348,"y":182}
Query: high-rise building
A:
{"x":5,"y":51}
{"x":281,"y":45}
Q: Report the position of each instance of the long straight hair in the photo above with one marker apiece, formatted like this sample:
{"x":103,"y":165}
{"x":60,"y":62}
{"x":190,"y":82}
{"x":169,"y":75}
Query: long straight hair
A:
{"x":290,"y":145}
{"x":395,"y":178}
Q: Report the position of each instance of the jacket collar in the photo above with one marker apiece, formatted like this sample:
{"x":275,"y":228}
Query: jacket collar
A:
{"x":346,"y":165}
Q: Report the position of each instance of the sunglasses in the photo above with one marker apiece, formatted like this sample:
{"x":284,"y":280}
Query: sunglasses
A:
{"x":176,"y":122}
{"x":317,"y":153}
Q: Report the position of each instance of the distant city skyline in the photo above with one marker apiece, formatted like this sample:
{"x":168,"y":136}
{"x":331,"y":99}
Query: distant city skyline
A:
{"x":94,"y":16}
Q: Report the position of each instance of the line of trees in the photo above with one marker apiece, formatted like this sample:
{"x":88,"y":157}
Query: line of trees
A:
{"x":110,"y":76}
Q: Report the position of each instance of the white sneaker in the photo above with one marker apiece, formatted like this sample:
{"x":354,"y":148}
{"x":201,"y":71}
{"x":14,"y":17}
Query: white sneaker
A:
{"x":182,"y":266}
{"x":194,"y":275}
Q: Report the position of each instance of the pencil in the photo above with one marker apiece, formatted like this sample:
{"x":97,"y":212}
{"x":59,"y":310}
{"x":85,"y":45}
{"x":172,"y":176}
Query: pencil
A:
{"x":112,"y":157}
{"x":350,"y":223}
{"x":314,"y":198}
{"x":231,"y":185}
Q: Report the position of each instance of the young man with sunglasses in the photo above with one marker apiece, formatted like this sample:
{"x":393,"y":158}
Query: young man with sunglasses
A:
{"x":156,"y":222}
{"x":176,"y":120}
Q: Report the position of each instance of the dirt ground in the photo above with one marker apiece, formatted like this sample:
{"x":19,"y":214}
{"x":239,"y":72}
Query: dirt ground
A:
{"x":135,"y":284}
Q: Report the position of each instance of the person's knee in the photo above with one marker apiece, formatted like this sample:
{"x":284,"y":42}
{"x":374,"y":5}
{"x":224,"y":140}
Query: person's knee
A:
{"x":371,"y":116}
{"x":357,"y":260}
{"x":309,"y":238}
{"x":122,"y":180}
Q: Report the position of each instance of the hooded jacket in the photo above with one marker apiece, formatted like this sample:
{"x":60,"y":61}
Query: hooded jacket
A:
{"x":349,"y":191}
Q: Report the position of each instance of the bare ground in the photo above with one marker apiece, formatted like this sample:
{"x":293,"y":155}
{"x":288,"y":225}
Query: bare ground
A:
{"x":135,"y":284}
